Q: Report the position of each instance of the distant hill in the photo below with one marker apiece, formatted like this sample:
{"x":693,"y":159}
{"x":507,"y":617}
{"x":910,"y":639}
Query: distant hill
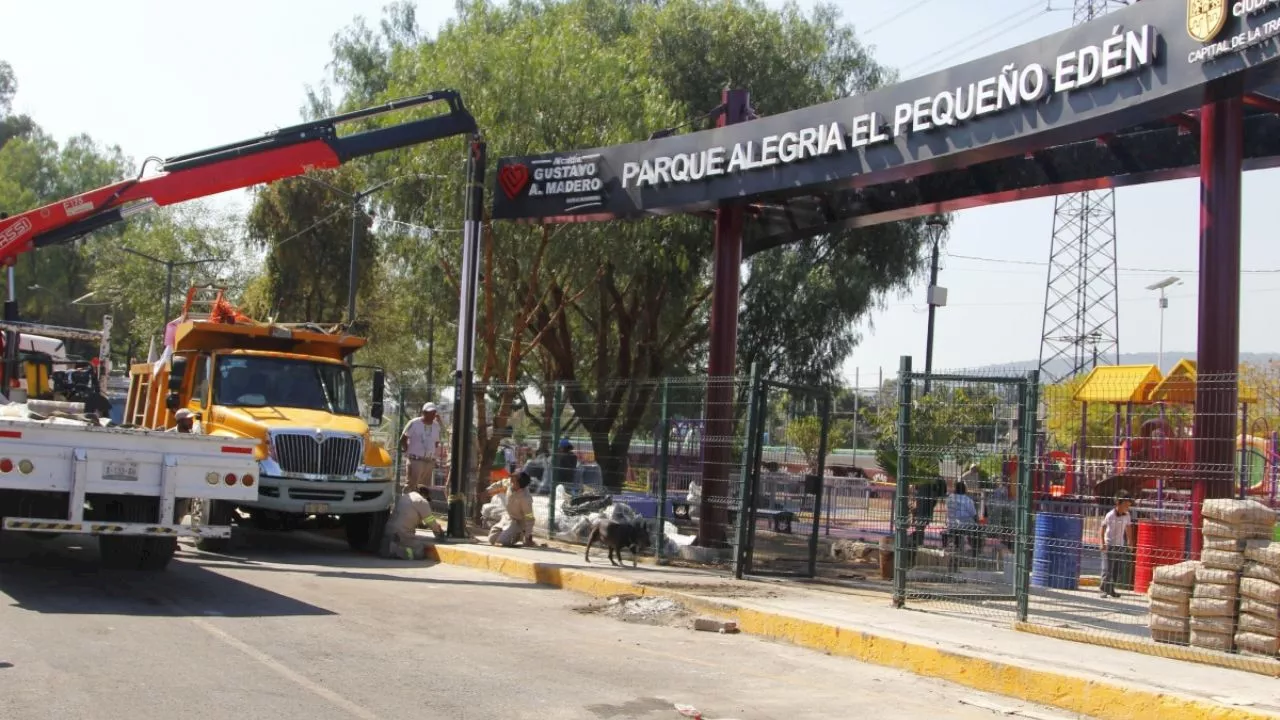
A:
{"x":1171,"y":358}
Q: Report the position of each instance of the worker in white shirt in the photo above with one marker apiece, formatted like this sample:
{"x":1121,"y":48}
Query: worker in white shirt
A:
{"x":421,"y":442}
{"x":1117,"y":536}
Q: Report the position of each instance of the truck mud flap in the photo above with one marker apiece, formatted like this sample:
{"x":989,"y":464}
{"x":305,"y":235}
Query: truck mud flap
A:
{"x":45,"y":525}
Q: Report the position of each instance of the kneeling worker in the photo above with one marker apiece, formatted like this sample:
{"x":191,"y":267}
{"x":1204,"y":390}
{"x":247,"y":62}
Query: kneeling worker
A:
{"x":412,"y":510}
{"x":517,"y":525}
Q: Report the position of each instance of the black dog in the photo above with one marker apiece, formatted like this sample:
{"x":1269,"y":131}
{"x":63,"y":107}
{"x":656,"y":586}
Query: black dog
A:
{"x":617,"y":536}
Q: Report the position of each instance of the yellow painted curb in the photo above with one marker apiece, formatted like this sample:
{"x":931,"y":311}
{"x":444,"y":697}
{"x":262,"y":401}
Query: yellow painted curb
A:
{"x":1244,"y":663}
{"x":1094,"y":698}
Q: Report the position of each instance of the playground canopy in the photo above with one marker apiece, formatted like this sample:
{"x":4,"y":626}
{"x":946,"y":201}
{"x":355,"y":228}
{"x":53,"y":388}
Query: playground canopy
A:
{"x":1119,"y":384}
{"x":1179,"y":386}
{"x":1143,"y":385}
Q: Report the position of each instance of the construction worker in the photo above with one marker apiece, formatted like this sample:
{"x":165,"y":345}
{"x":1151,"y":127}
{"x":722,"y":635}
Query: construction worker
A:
{"x":517,"y":525}
{"x":421,"y":442}
{"x":412,"y":510}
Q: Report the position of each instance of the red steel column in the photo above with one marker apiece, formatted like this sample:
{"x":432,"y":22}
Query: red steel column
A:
{"x":1218,"y":339}
{"x":722,"y":357}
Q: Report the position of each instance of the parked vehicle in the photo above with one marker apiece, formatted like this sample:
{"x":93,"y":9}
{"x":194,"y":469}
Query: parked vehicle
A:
{"x":64,"y":472}
{"x":289,"y":388}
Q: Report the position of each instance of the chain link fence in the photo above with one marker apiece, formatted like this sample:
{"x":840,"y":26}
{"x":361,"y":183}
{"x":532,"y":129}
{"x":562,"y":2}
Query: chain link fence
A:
{"x":962,"y":452}
{"x":1124,"y":507}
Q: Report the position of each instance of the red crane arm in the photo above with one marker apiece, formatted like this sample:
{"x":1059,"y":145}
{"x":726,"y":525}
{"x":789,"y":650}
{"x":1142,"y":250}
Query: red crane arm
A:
{"x":284,"y":153}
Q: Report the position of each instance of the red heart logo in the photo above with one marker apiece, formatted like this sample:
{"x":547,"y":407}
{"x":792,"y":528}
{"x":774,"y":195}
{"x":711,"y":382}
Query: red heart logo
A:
{"x":513,"y":179}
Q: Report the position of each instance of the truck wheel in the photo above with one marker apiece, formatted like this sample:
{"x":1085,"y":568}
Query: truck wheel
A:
{"x":125,"y":552}
{"x":212,"y":512}
{"x":365,"y":530}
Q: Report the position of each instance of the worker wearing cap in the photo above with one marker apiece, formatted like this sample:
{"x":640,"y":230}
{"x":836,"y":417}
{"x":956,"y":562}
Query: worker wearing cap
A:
{"x":186,"y":422}
{"x":421,"y":442}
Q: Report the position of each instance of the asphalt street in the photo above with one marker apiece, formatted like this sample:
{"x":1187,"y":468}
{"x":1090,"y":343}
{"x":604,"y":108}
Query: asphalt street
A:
{"x":296,"y":627}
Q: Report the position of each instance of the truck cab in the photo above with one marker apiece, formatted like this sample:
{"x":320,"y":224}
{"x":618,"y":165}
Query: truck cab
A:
{"x":290,"y":388}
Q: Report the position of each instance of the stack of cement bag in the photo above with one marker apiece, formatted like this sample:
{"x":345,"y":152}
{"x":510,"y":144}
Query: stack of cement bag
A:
{"x":1258,"y":630}
{"x":1170,"y":593}
{"x":1228,"y":524}
{"x":1213,"y":601}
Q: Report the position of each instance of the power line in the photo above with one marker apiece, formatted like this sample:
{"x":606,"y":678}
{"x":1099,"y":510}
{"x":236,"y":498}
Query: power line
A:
{"x":982,"y":33}
{"x":949,"y":58}
{"x":896,"y":16}
{"x":1036,"y":263}
{"x":1021,"y":303}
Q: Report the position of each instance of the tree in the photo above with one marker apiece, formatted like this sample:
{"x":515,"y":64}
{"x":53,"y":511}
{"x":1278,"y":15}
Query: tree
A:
{"x":305,"y":230}
{"x":131,"y":287}
{"x":11,"y":125}
{"x":801,"y":303}
{"x":951,"y":423}
{"x":609,"y":308}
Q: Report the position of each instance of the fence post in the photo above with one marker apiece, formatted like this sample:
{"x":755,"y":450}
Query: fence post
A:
{"x":663,"y":446}
{"x":746,"y":490}
{"x":1028,"y":402}
{"x":557,"y":406}
{"x":824,"y":407}
{"x":900,"y":503}
{"x":400,"y":429}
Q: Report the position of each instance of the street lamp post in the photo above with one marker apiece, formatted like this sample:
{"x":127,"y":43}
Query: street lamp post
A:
{"x":1164,"y":304}
{"x":169,"y":265}
{"x":937,"y":296}
{"x":357,"y":198}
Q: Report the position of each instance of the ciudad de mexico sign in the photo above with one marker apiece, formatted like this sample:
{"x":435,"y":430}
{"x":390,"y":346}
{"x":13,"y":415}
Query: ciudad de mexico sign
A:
{"x":1143,"y":63}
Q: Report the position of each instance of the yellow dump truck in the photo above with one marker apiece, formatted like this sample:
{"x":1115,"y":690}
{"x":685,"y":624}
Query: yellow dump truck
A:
{"x":290,"y":388}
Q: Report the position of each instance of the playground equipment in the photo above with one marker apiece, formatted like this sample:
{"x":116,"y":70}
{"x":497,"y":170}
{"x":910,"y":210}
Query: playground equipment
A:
{"x":1160,"y":456}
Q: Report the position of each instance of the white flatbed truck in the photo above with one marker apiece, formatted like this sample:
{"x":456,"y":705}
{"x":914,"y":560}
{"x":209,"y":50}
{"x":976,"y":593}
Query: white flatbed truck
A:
{"x":129,"y":487}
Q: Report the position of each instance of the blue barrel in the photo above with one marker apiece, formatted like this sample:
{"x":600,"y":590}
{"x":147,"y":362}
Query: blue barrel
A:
{"x":1055,"y":556}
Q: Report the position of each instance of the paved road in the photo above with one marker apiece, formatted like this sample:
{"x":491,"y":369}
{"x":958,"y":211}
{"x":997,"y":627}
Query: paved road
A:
{"x":299,"y":629}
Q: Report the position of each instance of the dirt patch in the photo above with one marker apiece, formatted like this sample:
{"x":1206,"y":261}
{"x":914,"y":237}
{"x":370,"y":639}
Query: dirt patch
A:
{"x":646,"y":610}
{"x":717,"y":589}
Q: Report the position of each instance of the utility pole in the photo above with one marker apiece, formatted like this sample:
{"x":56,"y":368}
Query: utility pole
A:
{"x":356,"y":198}
{"x":431,"y":356}
{"x":1164,"y":305}
{"x":351,"y":272}
{"x":936,"y":226}
{"x":169,"y":265}
{"x":463,"y":454}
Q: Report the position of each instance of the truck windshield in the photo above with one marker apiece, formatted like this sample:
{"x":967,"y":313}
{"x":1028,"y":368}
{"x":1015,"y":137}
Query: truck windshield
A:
{"x":284,"y":382}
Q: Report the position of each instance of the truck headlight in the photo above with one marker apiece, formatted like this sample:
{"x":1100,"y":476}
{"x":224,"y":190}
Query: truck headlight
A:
{"x":379,"y":473}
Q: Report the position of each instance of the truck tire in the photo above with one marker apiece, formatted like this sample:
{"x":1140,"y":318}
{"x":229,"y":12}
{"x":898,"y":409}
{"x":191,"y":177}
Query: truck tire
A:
{"x":212,"y":512}
{"x":124,"y":552}
{"x":365,"y":530}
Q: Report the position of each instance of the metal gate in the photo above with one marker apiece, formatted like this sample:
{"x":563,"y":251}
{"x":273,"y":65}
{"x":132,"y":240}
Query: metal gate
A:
{"x":784,"y":461}
{"x":962,"y":497}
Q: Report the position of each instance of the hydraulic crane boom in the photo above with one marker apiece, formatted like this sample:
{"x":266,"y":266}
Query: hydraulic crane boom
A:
{"x":284,"y":153}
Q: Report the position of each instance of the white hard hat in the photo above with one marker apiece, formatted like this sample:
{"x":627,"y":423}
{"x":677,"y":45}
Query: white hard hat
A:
{"x":184,"y":414}
{"x":429,"y":407}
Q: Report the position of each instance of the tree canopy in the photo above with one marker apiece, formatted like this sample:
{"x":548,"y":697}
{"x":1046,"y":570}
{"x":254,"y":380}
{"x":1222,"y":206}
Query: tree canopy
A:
{"x":606,"y":309}
{"x":76,"y":283}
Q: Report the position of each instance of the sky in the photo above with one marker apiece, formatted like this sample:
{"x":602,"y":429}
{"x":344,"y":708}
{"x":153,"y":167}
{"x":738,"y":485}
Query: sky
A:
{"x":163,"y":78}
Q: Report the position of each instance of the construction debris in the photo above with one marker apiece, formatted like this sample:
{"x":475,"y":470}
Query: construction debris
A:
{"x":720,"y":626}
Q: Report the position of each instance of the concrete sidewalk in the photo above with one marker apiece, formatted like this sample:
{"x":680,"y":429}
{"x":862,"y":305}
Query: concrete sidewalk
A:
{"x":1095,"y":681}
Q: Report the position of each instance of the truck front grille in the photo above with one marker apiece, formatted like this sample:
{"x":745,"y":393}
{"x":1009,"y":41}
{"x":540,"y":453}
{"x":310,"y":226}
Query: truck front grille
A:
{"x":324,"y":455}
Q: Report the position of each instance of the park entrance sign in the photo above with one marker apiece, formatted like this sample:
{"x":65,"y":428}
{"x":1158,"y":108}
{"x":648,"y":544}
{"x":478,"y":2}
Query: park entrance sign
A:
{"x":1159,"y":90}
{"x":1142,"y":64}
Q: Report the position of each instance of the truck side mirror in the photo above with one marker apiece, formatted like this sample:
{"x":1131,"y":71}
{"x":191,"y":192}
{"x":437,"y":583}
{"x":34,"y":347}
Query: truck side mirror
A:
{"x":379,"y":390}
{"x":171,"y":402}
{"x":177,"y":371}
